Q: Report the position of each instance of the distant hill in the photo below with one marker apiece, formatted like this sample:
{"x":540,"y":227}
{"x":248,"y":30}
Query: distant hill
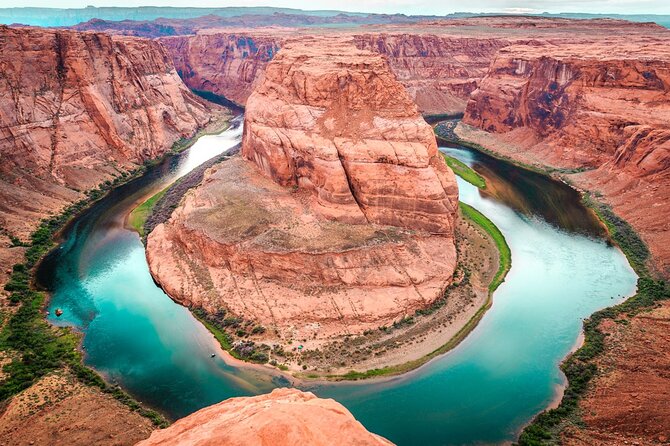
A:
{"x":69,"y":17}
{"x":52,"y":17}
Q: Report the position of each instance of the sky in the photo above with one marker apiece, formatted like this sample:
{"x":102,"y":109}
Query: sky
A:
{"x":436,"y":7}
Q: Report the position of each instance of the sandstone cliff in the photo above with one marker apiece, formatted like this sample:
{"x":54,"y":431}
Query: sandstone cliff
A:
{"x":227,"y":64}
{"x":337,"y":218}
{"x":77,"y":109}
{"x":602,"y":108}
{"x":334,"y":120}
{"x":439,"y":72}
{"x":440,"y":62}
{"x":285,"y":417}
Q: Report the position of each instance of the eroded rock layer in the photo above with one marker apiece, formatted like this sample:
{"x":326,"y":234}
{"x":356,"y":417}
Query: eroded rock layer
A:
{"x":337,"y":218}
{"x":227,"y":64}
{"x":285,"y":417}
{"x":332,"y":119}
{"x":602,"y":109}
{"x":77,"y":109}
{"x":440,"y":62}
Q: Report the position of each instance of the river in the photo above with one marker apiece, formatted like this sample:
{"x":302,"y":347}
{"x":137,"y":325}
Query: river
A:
{"x":482,"y":392}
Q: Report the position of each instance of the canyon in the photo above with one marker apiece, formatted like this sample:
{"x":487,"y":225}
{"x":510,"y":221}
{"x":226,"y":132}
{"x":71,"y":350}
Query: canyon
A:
{"x":78,"y":111}
{"x":339,"y":215}
{"x":337,"y":218}
{"x":283,"y":417}
{"x":81,"y":109}
{"x":598,"y":113}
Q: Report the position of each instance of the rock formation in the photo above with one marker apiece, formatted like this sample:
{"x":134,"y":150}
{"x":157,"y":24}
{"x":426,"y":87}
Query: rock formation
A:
{"x":601,"y":108}
{"x":439,"y":72}
{"x":285,"y":417}
{"x":440,"y":62}
{"x":227,"y":64}
{"x":334,"y":120}
{"x":337,"y":219}
{"x":77,"y":109}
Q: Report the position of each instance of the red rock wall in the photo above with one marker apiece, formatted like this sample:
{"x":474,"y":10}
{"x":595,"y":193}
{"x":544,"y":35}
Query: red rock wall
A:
{"x":77,"y":109}
{"x":227,"y":64}
{"x":601,"y":108}
{"x":439,"y":72}
{"x":333,"y":119}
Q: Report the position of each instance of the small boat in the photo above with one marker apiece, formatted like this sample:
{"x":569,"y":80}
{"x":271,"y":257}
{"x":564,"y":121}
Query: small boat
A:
{"x":58,"y":312}
{"x":213,"y":355}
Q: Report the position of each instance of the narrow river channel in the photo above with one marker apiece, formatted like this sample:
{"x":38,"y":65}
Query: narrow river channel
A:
{"x":482,"y":392}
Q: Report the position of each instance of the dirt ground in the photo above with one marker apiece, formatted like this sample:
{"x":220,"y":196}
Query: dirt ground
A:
{"x":629,"y":401}
{"x":58,"y":410}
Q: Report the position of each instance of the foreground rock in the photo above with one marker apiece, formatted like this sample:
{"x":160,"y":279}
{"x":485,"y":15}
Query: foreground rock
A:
{"x":600,"y":110}
{"x":284,"y":417}
{"x":337,"y":219}
{"x":77,"y":109}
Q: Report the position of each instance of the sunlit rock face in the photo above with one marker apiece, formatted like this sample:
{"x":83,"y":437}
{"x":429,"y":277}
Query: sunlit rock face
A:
{"x":601,"y":108}
{"x":333,"y":119}
{"x":77,"y":109}
{"x":338,"y":217}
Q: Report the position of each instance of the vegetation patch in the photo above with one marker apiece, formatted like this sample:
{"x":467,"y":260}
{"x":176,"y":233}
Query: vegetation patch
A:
{"x":138,"y":217}
{"x":464,"y":171}
{"x":37,"y":347}
{"x":221,"y":325}
{"x":580,"y":367}
{"x":623,"y":234}
{"x":503,"y":248}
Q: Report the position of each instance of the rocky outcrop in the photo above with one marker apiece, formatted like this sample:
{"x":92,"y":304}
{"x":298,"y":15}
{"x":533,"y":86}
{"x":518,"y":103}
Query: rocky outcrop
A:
{"x":77,"y":109}
{"x":285,"y":417}
{"x":439,"y":72}
{"x":339,"y":216}
{"x":227,"y":64}
{"x":601,"y":108}
{"x":333,"y":120}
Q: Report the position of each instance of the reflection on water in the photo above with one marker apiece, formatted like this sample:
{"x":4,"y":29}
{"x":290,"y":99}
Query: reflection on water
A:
{"x":506,"y":370}
{"x":530,"y":193}
{"x":482,"y":392}
{"x":134,"y":334}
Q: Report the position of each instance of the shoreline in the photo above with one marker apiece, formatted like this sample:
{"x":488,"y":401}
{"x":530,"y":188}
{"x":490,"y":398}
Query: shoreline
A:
{"x":45,"y":239}
{"x":385,"y":367}
{"x":551,"y":421}
{"x":390,"y":372}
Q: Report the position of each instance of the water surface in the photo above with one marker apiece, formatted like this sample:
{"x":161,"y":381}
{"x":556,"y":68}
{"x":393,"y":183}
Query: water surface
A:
{"x":482,"y":392}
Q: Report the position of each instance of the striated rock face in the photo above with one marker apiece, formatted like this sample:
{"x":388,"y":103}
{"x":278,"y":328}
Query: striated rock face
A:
{"x":439,"y":72}
{"x":440,"y":62}
{"x":333,"y":120}
{"x":599,"y":107}
{"x":285,"y":417}
{"x":77,"y":109}
{"x":227,"y":64}
{"x":337,"y":218}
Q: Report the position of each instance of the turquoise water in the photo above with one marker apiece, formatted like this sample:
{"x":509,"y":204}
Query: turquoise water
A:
{"x":482,"y":392}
